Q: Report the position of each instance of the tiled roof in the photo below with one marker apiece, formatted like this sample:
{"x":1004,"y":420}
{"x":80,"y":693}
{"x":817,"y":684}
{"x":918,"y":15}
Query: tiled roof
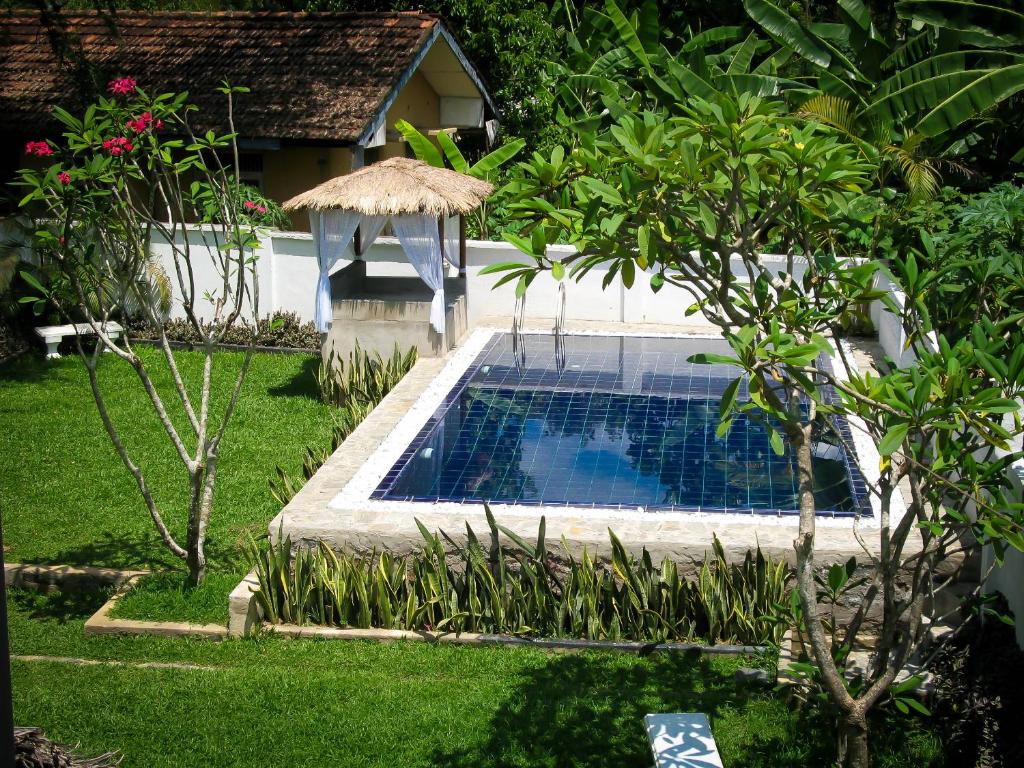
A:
{"x":318,"y":77}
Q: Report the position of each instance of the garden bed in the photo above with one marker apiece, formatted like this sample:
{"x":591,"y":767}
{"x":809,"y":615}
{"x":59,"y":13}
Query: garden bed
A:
{"x":192,"y":346}
{"x":104,"y":623}
{"x":501,"y":589}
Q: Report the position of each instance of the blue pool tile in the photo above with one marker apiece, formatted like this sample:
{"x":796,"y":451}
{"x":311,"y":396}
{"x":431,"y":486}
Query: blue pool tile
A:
{"x":625,"y":422}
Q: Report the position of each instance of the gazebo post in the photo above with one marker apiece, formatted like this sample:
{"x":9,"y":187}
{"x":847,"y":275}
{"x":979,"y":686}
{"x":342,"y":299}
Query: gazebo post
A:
{"x":440,"y":238}
{"x":462,"y":246}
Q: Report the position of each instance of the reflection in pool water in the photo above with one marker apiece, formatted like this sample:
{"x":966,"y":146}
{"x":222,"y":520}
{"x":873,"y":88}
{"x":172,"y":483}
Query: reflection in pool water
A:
{"x":590,"y":435}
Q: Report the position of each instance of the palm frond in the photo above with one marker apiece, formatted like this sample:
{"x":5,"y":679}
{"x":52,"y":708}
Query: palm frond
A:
{"x":834,"y":111}
{"x":917,"y":171}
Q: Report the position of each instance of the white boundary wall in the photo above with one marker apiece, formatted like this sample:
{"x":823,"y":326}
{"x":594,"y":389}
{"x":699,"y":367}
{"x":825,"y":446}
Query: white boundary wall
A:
{"x":891,"y":335}
{"x":287,"y":267}
{"x":1009,"y":578}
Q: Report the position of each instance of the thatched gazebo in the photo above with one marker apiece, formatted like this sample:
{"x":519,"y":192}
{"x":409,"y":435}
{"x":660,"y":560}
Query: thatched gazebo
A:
{"x":417,"y":199}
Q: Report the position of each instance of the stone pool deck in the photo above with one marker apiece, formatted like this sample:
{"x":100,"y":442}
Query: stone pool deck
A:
{"x":350,"y":520}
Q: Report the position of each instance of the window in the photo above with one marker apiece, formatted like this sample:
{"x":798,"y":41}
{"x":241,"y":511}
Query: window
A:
{"x":250,"y":166}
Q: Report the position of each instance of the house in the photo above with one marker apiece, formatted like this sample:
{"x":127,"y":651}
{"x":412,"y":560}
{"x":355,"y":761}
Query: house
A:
{"x":326,"y":88}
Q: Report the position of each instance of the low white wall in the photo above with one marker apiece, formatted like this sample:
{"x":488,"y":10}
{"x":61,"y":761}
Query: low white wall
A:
{"x":287,"y":268}
{"x":1009,"y":577}
{"x":889,"y":326}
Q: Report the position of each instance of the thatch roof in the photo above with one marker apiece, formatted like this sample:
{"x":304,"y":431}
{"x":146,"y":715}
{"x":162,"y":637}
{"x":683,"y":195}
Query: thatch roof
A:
{"x":394,"y":187}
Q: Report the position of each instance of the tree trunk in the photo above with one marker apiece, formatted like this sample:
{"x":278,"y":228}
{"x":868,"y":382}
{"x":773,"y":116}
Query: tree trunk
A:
{"x":195,"y":559}
{"x":853,"y":742}
{"x":196,"y":562}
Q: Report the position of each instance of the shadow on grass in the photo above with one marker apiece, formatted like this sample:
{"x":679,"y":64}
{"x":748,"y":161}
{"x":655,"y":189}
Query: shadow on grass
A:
{"x":141,"y":552}
{"x":61,"y":607}
{"x":303,"y":383}
{"x":29,"y":366}
{"x":585,"y":710}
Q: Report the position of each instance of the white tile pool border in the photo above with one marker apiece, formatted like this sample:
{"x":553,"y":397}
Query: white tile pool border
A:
{"x":355,"y":496}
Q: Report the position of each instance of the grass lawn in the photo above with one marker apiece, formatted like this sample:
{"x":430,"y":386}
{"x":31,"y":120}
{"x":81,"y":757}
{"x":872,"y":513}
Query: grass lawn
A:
{"x":272,"y":701}
{"x":66,"y":497}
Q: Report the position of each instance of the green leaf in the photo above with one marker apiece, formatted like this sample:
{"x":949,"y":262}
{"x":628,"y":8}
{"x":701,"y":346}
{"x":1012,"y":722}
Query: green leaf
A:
{"x":504,"y":266}
{"x":729,"y":397}
{"x":31,"y":279}
{"x":787,"y":30}
{"x":557,"y":270}
{"x":775,"y":441}
{"x":643,"y":240}
{"x":522,"y":285}
{"x":1003,"y":26}
{"x":973,"y":99}
{"x":713,"y":36}
{"x":627,"y":33}
{"x":858,"y":13}
{"x":709,"y":358}
{"x":494,"y":160}
{"x":893,"y":439}
{"x":628,"y":273}
{"x":452,"y":153}
{"x":422,"y":146}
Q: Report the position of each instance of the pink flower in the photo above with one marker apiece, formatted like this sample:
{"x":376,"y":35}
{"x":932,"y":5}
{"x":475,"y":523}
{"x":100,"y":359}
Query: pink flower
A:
{"x":117,"y":145}
{"x":143,"y":122}
{"x":38,"y":148}
{"x":64,"y":177}
{"x":261,"y":209}
{"x":249,"y":205}
{"x":121,"y":86}
{"x":159,"y":125}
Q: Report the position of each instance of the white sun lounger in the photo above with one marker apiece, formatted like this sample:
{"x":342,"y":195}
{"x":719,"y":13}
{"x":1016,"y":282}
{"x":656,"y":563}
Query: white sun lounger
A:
{"x":682,"y":740}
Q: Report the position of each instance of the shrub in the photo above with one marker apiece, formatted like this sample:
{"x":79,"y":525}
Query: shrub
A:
{"x":366,"y":379}
{"x":355,"y":389}
{"x":283,"y":330}
{"x":963,"y":256}
{"x":522,"y":591}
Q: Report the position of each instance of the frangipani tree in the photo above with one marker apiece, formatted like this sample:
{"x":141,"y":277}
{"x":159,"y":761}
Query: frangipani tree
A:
{"x":690,"y":198}
{"x":131,"y":168}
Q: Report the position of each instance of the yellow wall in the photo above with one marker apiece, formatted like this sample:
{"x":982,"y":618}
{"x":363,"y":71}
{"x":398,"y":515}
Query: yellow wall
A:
{"x":291,"y":170}
{"x":416,"y":103}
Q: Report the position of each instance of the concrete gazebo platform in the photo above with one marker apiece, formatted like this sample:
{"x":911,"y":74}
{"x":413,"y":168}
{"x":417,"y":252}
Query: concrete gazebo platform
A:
{"x":378,"y":311}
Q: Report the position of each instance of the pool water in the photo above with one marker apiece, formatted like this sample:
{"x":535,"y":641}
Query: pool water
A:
{"x":607,"y":421}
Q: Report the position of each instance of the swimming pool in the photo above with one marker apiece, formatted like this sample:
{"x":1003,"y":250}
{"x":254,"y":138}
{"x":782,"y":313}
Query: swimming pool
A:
{"x":609,"y":422}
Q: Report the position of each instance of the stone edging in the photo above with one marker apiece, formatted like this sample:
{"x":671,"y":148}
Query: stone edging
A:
{"x":100,"y":623}
{"x":473,"y":638}
{"x":245,"y":618}
{"x":70,"y":578}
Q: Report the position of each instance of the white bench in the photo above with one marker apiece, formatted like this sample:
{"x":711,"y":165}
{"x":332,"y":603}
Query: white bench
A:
{"x":682,"y":740}
{"x":52,"y":335}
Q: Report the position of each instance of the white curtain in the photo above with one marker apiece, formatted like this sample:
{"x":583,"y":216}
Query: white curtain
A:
{"x":422,"y":245}
{"x":334,"y":230}
{"x":451,"y":240}
{"x":369,"y":231}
